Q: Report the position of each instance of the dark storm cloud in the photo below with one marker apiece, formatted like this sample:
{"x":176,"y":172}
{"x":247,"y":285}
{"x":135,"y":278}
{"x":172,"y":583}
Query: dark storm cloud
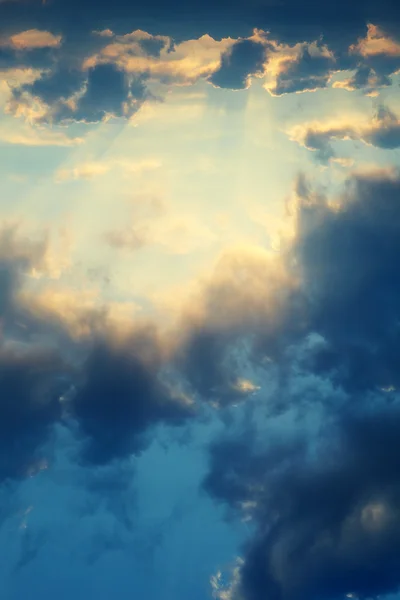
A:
{"x":122,"y":395}
{"x":30,"y":373}
{"x":324,"y":497}
{"x":243,"y":59}
{"x":325,"y":509}
{"x":30,"y":385}
{"x":338,"y":279}
{"x":113,"y":390}
{"x":250,"y":300}
{"x":354,"y":285}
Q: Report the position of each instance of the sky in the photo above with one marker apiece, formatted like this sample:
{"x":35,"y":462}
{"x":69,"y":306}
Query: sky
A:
{"x":199,"y":300}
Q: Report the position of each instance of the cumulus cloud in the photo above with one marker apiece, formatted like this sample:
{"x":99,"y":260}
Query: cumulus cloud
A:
{"x":382,"y":131}
{"x":311,"y":333}
{"x":244,"y":59}
{"x":66,"y":358}
{"x":65,"y":94}
{"x":376,"y":43}
{"x":376,"y":57}
{"x":315,"y":466}
{"x":249,"y":294}
{"x":302,"y":68}
{"x":110,"y":75}
{"x":182,"y":63}
{"x":324,"y":505}
{"x":34,"y":38}
{"x":114,"y":80}
{"x":30,"y":372}
{"x":238,"y":324}
{"x":123,"y":394}
{"x":102,"y":92}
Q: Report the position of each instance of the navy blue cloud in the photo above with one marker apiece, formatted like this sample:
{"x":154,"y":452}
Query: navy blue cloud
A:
{"x":56,"y":85}
{"x":307,"y":72}
{"x":109,"y":91}
{"x":243,"y":59}
{"x":355,"y":283}
{"x":110,"y":392}
{"x":321,"y":474}
{"x":104,"y":91}
{"x":325,"y":508}
{"x":121,"y":396}
{"x":30,"y":385}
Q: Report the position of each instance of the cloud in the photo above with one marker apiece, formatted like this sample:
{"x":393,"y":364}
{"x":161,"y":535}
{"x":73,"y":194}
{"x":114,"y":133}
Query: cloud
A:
{"x":376,"y":57}
{"x":382,"y":131}
{"x":324,"y":505}
{"x":28,"y":136}
{"x":376,"y":43}
{"x":32,"y":253}
{"x":109,"y":92}
{"x":362,"y":266}
{"x":177,"y":235}
{"x":120,"y":387}
{"x":30,"y":385}
{"x":238,"y":63}
{"x":30,"y":371}
{"x":181,"y":64}
{"x":123,"y":395}
{"x":84,"y":171}
{"x":129,"y":239}
{"x":247,"y":296}
{"x":314,"y":465}
{"x":104,"y":91}
{"x":67,"y":356}
{"x":365,"y":78}
{"x":303,"y":68}
{"x":89,"y":170}
{"x":34,"y":39}
{"x":108,"y":75}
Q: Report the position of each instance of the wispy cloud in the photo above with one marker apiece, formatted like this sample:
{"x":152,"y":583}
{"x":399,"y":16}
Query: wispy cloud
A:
{"x":37,"y":137}
{"x":92,"y":169}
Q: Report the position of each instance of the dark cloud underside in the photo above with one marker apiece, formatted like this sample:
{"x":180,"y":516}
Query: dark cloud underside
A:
{"x":325,"y":500}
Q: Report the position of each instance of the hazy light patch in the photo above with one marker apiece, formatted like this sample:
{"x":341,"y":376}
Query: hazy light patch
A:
{"x":152,"y":202}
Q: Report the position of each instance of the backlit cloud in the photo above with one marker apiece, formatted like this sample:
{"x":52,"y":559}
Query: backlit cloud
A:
{"x":383,"y":131}
{"x":324,"y":512}
{"x":34,"y":38}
